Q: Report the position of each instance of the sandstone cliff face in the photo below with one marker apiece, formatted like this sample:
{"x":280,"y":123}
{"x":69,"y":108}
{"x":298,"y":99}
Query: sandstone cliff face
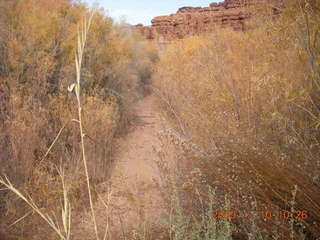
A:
{"x":190,"y":21}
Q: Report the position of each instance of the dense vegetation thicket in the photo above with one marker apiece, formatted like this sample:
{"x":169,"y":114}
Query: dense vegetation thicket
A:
{"x":245,"y":107}
{"x":38,"y":40}
{"x":249,"y":105}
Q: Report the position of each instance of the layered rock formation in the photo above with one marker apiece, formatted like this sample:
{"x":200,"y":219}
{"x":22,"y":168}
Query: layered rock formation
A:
{"x":190,"y":21}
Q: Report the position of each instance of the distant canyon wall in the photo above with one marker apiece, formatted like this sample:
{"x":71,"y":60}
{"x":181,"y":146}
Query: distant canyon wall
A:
{"x":189,"y":21}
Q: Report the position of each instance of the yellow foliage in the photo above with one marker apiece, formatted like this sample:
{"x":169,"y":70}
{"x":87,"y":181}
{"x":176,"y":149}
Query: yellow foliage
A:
{"x":38,"y":40}
{"x":251,"y":101}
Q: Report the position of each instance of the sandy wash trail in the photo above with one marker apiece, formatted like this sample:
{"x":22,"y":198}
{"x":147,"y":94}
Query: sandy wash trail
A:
{"x":132,"y":196}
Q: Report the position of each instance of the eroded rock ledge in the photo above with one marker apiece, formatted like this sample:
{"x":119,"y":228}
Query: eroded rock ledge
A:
{"x":189,"y":21}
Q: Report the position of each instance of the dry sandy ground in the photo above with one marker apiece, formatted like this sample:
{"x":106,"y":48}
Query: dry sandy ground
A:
{"x":132,"y":196}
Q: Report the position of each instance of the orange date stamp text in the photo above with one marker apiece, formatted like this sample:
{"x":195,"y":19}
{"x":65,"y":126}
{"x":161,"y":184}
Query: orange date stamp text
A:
{"x":265,"y":214}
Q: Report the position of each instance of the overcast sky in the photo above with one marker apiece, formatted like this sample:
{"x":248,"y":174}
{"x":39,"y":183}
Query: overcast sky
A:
{"x":142,"y":11}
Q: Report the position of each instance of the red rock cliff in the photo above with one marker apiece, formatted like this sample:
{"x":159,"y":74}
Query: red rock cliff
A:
{"x":190,"y":21}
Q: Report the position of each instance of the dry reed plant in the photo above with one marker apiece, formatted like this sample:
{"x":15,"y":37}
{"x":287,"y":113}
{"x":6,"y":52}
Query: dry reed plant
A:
{"x":76,"y":87}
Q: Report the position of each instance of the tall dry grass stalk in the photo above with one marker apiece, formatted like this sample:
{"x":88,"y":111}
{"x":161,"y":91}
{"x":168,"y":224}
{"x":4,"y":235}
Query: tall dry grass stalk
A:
{"x":82,"y":38}
{"x":64,"y":231}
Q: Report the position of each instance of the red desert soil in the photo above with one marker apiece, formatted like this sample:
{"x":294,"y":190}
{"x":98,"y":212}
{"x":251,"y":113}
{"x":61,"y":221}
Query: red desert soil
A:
{"x":133,"y":190}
